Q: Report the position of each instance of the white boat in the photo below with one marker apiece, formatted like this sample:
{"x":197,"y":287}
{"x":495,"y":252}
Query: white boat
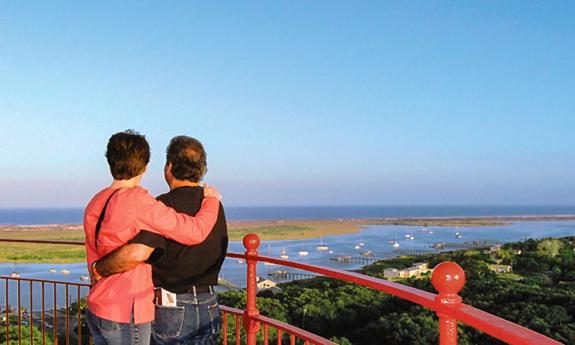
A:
{"x":412,"y":237}
{"x":65,"y":271}
{"x":322,"y":246}
{"x":14,"y":275}
{"x":303,"y":253}
{"x":361,"y":244}
{"x":52,"y":270}
{"x":395,"y":243}
{"x":457,"y":232}
{"x":269,"y":254}
{"x":331,"y":252}
{"x":84,"y":278}
{"x":357,"y":246}
{"x":430,"y":232}
{"x":240,"y":261}
{"x":284,"y":256}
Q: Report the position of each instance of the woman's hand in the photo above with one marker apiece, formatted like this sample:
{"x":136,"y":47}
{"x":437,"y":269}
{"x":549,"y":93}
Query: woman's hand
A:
{"x":211,"y":192}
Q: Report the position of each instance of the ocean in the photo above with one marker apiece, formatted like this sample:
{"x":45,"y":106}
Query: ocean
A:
{"x":25,"y":216}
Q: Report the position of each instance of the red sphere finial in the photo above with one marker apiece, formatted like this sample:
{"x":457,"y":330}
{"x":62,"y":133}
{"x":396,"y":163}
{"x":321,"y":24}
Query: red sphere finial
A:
{"x":448,"y":278}
{"x":251,"y":242}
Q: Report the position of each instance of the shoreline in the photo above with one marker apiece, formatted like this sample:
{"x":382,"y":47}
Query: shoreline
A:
{"x":276,"y":230}
{"x":285,"y":229}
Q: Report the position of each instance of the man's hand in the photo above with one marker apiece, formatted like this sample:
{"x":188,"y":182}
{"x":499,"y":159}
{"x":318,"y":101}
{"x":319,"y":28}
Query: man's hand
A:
{"x":211,"y":192}
{"x":94,"y":275}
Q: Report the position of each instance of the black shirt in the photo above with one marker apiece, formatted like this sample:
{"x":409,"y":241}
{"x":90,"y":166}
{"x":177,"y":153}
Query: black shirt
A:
{"x":177,"y":267}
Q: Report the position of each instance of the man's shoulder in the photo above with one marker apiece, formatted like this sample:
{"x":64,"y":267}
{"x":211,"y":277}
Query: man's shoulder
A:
{"x":163,"y":197}
{"x":182,"y":196}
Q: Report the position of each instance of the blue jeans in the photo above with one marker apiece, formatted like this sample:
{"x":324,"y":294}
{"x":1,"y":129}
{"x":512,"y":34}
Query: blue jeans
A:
{"x":106,"y":332}
{"x":196,"y":321}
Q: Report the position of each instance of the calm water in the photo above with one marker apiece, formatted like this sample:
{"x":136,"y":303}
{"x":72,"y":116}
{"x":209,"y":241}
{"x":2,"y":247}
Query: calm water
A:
{"x":74,"y":215}
{"x":375,"y":238}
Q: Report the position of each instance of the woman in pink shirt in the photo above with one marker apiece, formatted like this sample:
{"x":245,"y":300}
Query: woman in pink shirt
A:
{"x":120,"y":307}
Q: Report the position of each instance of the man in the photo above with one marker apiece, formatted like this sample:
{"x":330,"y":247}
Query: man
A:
{"x":120,"y":308}
{"x":191,"y":272}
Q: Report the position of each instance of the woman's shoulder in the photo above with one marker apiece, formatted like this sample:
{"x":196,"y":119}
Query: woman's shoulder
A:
{"x":136,"y":193}
{"x":98,"y":198}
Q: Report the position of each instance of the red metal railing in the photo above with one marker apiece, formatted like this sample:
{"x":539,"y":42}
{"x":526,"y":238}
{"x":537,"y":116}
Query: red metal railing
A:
{"x":281,"y":329}
{"x":53,"y":318}
{"x":448,"y":278}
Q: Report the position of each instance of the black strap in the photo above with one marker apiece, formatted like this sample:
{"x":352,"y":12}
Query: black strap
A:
{"x":101,"y":218}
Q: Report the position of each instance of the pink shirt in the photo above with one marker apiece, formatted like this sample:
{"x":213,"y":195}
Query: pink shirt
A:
{"x":129,"y":211}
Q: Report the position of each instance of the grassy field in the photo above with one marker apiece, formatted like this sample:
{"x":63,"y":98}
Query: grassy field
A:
{"x":52,"y":253}
{"x":292,"y":230}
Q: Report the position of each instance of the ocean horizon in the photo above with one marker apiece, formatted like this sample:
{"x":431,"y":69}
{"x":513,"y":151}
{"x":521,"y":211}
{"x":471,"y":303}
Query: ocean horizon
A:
{"x":44,"y":216}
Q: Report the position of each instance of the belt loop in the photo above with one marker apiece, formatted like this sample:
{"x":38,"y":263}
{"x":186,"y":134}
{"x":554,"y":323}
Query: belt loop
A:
{"x":211,"y":288}
{"x":194,"y":289}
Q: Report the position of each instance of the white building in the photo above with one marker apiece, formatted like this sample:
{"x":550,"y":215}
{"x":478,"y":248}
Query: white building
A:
{"x":266,"y":284}
{"x":390,"y":273}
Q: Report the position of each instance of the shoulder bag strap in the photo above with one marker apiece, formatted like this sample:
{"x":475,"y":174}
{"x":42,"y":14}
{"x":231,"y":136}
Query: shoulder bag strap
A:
{"x":101,"y":218}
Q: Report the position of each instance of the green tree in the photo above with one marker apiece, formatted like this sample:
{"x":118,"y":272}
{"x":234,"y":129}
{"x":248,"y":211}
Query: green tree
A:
{"x":14,"y":335}
{"x":549,"y":247}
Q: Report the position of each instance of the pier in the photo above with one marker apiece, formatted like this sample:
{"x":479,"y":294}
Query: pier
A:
{"x":287,"y":275}
{"x":354,"y":259}
{"x":227,"y":284}
{"x":466,"y":245}
{"x":395,"y":254}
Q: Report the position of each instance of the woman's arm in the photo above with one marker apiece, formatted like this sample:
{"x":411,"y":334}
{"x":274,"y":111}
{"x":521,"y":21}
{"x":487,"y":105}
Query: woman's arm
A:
{"x":156,"y":217}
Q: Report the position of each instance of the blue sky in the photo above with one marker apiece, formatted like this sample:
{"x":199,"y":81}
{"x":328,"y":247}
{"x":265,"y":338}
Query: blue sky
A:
{"x":297,"y":102}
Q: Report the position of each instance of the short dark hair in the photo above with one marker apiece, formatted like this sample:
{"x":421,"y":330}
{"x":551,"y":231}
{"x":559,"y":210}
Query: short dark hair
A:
{"x":127,"y":153}
{"x":188,"y":158}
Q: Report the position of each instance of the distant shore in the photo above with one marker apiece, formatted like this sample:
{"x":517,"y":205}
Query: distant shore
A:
{"x":267,"y":230}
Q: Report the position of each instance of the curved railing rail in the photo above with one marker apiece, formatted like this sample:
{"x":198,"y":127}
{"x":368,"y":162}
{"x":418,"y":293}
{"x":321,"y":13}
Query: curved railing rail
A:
{"x":448,"y":278}
{"x":280,"y":327}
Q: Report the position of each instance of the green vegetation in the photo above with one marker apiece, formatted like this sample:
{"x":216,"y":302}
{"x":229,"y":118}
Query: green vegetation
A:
{"x":271,"y":231}
{"x":539,"y":295}
{"x":14,"y":334}
{"x":36,"y":252}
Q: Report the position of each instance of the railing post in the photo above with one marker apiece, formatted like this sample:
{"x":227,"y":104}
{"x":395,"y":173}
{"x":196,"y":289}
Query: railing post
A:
{"x":251,"y":243}
{"x":448,"y":278}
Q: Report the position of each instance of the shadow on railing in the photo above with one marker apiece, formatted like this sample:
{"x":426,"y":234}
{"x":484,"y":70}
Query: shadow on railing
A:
{"x":448,"y":279}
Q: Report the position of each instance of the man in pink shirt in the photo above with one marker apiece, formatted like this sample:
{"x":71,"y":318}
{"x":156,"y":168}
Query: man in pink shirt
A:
{"x":120,"y":307}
